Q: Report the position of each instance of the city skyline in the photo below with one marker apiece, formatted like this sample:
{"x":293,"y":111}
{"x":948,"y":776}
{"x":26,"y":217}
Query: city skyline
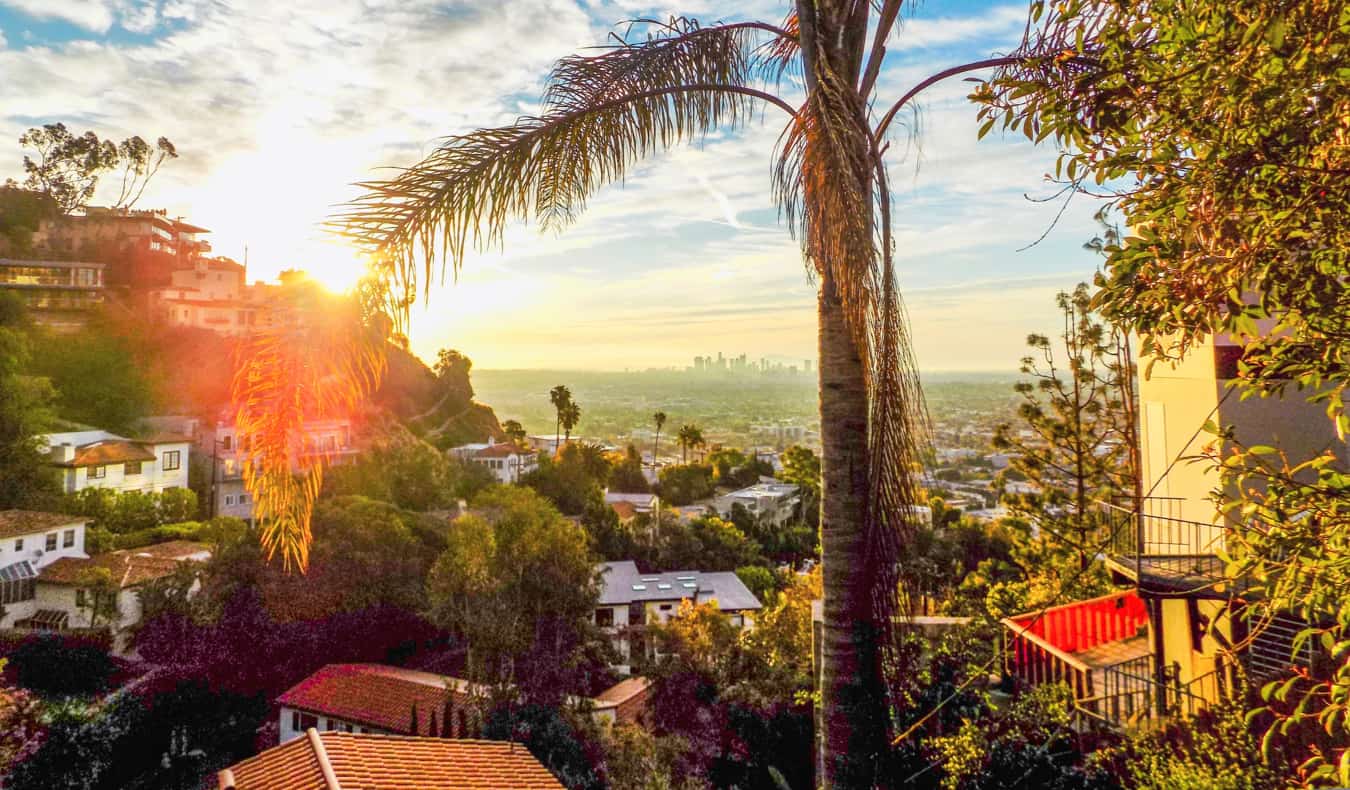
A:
{"x":688,"y":251}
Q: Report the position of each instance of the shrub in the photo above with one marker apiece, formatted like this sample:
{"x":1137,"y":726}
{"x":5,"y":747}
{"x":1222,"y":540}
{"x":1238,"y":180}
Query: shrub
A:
{"x":60,"y":665}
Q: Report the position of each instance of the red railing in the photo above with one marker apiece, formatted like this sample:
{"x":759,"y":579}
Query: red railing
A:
{"x":1042,"y":645}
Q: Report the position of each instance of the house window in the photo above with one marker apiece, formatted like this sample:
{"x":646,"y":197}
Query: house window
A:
{"x":97,"y":472}
{"x":51,"y":541}
{"x":80,"y":599}
{"x":172,"y":460}
{"x":295,"y":720}
{"x":666,"y":607}
{"x":226,"y":442}
{"x":18,"y":544}
{"x":131,"y":468}
{"x":604,"y":617}
{"x":307,"y":721}
{"x":229,"y":499}
{"x":68,"y":538}
{"x":243,"y":499}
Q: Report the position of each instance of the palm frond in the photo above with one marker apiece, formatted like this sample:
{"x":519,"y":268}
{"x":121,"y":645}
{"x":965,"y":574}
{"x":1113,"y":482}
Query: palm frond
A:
{"x":318,"y":360}
{"x":602,"y":113}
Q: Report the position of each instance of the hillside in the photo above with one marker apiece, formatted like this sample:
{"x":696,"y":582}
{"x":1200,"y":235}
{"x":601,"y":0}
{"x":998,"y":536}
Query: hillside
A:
{"x":439,"y":409}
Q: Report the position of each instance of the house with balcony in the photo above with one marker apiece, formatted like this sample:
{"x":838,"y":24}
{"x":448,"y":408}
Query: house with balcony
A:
{"x":141,"y":247}
{"x":631,"y":600}
{"x":93,"y":458}
{"x":226,"y":452}
{"x":506,"y":461}
{"x":60,"y":295}
{"x":29,"y":542}
{"x":1174,"y":641}
{"x":212,"y":293}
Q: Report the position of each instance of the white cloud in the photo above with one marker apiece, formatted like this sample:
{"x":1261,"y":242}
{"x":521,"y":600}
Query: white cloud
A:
{"x":92,"y":15}
{"x":924,"y":32}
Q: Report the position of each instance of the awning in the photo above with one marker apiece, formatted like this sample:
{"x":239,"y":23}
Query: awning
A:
{"x":17,"y":572}
{"x":46,"y":620}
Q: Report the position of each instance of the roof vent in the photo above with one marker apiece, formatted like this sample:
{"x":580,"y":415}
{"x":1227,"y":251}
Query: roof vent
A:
{"x":663,"y":586}
{"x":639,"y":587}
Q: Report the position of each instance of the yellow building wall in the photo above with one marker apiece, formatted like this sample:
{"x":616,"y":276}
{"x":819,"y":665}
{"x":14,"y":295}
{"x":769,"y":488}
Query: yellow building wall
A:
{"x":1178,"y":646}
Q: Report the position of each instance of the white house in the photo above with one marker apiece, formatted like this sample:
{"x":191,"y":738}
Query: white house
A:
{"x":30,"y":541}
{"x":630,"y":600}
{"x":65,"y":597}
{"x":639,"y":503}
{"x":212,"y":294}
{"x":769,"y":499}
{"x":389,"y":700}
{"x":507,"y":462}
{"x":98,"y":459}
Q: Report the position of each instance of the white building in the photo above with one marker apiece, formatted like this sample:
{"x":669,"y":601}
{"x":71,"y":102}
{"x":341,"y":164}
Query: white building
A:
{"x":507,"y":462}
{"x":640,"y":503}
{"x":213,"y":294}
{"x":99,"y":459}
{"x":630,"y":600}
{"x":773,"y":501}
{"x":66,"y":599}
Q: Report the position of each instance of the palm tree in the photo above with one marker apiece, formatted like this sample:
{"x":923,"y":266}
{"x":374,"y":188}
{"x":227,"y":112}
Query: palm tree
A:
{"x":689,"y":436}
{"x":570,"y":416}
{"x":559,"y":396}
{"x":665,"y":83}
{"x":660,"y":419}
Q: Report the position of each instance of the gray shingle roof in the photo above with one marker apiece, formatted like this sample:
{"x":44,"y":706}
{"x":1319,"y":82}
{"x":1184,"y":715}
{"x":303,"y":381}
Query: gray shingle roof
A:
{"x":623,"y":584}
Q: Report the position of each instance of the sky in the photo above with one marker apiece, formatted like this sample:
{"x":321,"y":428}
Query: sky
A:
{"x":276,"y":108}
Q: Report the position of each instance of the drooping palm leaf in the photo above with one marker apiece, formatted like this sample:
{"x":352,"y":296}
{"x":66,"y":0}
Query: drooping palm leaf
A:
{"x":603,"y":113}
{"x":319,"y":359}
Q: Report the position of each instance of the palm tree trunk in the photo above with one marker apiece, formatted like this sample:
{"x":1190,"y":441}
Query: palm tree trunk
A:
{"x":853,"y":716}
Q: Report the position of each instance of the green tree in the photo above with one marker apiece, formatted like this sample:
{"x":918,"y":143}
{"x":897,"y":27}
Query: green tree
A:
{"x":659,"y":419}
{"x":560,"y":396}
{"x":689,"y":436}
{"x":571,"y":415}
{"x":98,"y":378}
{"x":517,"y":583}
{"x":683,"y":485}
{"x":25,"y":480}
{"x":1222,"y":132}
{"x":68,"y":167}
{"x":100,"y":596}
{"x":515,"y":432}
{"x":671,"y":82}
{"x":626,"y":476}
{"x":1081,"y":410}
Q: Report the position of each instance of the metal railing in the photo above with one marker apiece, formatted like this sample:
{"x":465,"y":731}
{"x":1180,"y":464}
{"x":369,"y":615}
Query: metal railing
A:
{"x":1153,"y":538}
{"x":1131,"y":694}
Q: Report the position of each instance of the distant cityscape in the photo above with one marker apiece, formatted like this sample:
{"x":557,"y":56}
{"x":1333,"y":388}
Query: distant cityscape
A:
{"x":743,"y":364}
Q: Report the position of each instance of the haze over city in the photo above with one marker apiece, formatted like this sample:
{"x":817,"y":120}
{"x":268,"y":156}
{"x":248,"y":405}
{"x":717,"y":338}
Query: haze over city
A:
{"x":277,"y":108}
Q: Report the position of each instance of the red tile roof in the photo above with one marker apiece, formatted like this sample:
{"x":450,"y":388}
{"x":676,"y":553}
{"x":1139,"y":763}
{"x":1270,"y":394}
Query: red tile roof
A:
{"x":350,"y":761}
{"x":377,"y":695}
{"x":109,"y":451}
{"x":26,"y":522}
{"x":625,"y":510}
{"x":129,"y":567}
{"x":500,"y":451}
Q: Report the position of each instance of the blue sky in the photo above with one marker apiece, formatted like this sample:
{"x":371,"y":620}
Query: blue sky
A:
{"x":277,"y":107}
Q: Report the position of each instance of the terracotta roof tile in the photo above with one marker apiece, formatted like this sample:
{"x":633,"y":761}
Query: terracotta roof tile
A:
{"x":109,"y":451}
{"x":389,"y":762}
{"x":377,"y":695}
{"x":129,"y":567}
{"x":26,"y":522}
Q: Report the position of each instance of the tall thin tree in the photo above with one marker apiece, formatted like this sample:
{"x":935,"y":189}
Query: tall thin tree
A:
{"x":660,"y":84}
{"x":559,"y":396}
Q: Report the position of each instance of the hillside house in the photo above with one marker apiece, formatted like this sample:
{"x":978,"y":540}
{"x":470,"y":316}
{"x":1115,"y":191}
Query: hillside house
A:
{"x":332,"y":760}
{"x":212,"y":293}
{"x":67,"y":597}
{"x":630,"y":505}
{"x":60,"y":295}
{"x":769,"y":500}
{"x":1170,"y":644}
{"x":389,"y":700}
{"x":95,"y":458}
{"x":29,"y":542}
{"x":631,"y":600}
{"x":223,"y":445}
{"x":507,"y":462}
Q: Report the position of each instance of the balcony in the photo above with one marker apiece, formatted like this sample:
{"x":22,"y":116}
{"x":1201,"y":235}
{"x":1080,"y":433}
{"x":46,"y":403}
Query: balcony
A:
{"x":1153,"y":547}
{"x":1100,"y":649}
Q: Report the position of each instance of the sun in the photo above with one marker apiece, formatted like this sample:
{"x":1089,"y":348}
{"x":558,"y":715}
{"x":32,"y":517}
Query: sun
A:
{"x":336,"y":267}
